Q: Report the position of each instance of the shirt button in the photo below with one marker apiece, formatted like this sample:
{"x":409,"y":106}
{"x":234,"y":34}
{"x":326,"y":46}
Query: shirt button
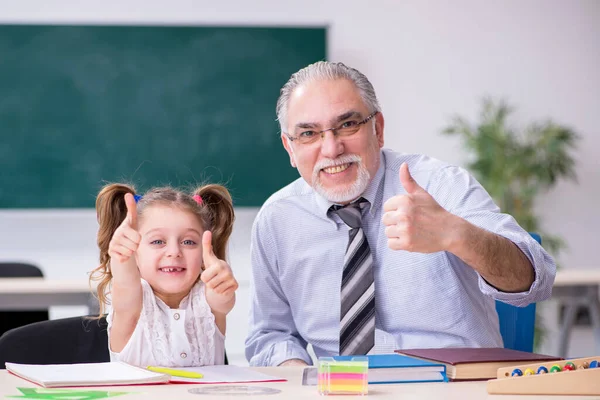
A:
{"x":176,"y":316}
{"x":183,"y":355}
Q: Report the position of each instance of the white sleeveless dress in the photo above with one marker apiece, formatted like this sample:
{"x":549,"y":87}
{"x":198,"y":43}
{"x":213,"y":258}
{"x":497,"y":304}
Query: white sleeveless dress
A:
{"x":184,"y":337}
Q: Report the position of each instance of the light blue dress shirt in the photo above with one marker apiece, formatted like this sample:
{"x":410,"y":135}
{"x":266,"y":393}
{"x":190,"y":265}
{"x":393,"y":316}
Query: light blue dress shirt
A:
{"x":422,"y":300}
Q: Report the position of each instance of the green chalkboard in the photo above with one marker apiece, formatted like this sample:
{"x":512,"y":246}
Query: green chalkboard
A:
{"x":84,"y":105}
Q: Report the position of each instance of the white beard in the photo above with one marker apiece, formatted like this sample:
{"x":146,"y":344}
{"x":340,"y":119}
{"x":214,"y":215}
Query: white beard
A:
{"x":345,"y":194}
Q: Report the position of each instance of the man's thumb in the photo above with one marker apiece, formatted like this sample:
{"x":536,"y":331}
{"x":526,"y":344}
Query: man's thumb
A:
{"x":407,"y":181}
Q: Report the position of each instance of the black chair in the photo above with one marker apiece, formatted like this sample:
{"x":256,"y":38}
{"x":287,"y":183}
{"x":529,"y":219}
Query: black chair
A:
{"x":13,"y":319}
{"x":59,"y":341}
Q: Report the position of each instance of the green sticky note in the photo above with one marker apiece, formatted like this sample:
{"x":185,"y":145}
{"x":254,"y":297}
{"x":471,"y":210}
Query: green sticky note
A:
{"x":65,"y":394}
{"x":341,"y":369}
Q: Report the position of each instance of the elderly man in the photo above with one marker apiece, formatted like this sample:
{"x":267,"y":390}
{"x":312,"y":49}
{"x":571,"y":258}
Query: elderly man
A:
{"x":373,"y":250}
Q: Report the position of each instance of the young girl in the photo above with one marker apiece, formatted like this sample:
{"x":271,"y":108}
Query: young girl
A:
{"x":162,"y":257}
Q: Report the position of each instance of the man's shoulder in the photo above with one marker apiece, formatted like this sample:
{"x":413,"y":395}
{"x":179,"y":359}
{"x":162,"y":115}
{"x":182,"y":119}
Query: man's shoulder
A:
{"x":294,"y":194}
{"x":294,"y":191}
{"x":422,"y":167}
{"x":416,"y":162}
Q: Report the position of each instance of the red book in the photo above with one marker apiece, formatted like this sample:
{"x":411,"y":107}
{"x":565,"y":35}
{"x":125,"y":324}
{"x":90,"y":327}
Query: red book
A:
{"x":466,"y":364}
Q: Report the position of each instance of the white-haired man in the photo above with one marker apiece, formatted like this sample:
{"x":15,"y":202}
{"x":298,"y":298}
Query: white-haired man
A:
{"x":373,"y":250}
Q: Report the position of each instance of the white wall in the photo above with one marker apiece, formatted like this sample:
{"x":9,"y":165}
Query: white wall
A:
{"x":427,"y":60}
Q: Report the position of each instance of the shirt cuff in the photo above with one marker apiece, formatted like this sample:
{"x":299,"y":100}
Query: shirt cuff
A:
{"x":287,"y":350}
{"x":543,"y":268}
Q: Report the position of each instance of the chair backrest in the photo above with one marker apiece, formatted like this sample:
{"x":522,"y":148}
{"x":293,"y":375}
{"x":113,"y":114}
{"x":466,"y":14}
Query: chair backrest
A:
{"x":19,"y":270}
{"x":59,"y":341}
{"x":13,"y":319}
{"x":517,"y":324}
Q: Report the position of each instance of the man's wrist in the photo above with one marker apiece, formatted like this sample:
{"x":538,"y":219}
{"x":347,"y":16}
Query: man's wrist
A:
{"x":458,"y":233}
{"x":293,"y":362}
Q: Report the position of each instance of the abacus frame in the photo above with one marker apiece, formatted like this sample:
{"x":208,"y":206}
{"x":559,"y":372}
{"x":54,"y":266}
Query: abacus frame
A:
{"x":576,"y":382}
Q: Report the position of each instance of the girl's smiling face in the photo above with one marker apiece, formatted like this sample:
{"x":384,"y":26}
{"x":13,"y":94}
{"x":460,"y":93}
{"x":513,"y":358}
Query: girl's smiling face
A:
{"x":169,"y":256}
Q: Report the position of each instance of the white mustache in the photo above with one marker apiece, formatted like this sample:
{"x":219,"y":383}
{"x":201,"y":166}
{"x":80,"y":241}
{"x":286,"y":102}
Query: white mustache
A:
{"x":344,"y":194}
{"x":345,"y":159}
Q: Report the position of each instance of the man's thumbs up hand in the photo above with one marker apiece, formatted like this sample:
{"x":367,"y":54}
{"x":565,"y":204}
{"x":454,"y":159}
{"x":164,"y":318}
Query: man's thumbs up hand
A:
{"x":414,"y":221}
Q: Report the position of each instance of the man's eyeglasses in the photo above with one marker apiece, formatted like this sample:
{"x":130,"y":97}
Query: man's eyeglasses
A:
{"x":346,"y":128}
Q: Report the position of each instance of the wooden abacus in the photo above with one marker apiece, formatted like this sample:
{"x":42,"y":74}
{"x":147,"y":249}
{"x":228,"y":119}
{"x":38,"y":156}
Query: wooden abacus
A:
{"x":580,"y":377}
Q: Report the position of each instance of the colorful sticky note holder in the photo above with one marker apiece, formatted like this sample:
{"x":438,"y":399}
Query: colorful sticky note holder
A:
{"x":343,"y":377}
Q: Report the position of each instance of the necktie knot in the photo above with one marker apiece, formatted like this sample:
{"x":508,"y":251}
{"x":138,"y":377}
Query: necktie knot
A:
{"x":351,"y":213}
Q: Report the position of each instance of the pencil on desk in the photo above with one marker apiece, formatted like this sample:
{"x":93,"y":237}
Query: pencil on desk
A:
{"x":176,"y":372}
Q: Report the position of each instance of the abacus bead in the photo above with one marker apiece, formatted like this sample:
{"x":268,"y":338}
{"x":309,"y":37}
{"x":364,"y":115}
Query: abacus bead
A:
{"x":585,"y":365}
{"x":594,"y":364}
{"x":516,"y":372}
{"x":542,"y":370}
{"x":569,"y":366}
{"x":529,"y":371}
{"x":555,"y":368}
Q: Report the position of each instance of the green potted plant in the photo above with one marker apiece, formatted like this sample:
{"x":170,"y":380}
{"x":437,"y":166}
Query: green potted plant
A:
{"x":516,"y":165}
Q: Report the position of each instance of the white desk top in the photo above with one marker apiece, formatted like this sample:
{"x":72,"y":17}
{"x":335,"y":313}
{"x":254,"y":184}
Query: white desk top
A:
{"x":577,"y":276}
{"x":293,"y":389}
{"x":564,"y":277}
{"x":39,"y":293}
{"x":43,"y":285}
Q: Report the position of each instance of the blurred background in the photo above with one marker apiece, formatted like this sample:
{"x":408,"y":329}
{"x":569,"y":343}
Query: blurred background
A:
{"x":154,"y":92}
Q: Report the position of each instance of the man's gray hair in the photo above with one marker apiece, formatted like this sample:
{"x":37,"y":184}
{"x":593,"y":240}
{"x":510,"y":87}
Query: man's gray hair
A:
{"x":325,"y":70}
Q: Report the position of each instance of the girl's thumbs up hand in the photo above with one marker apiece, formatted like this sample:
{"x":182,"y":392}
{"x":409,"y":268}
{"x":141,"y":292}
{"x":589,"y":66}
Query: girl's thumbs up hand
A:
{"x":126,"y":239}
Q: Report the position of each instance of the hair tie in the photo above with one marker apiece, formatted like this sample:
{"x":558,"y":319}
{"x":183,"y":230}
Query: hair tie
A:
{"x":198,"y":199}
{"x":137,"y":197}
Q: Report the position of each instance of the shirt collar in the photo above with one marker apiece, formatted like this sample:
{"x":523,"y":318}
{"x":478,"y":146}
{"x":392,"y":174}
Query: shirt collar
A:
{"x":373,"y":193}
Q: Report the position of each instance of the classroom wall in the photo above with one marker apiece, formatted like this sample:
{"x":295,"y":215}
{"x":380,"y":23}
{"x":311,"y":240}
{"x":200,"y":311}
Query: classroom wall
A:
{"x":427,"y":60}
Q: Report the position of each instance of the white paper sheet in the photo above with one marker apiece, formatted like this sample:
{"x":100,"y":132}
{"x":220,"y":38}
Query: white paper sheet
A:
{"x":226,"y":374}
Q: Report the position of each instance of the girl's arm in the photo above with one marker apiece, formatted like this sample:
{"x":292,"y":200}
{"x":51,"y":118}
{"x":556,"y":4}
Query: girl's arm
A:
{"x":126,"y":291}
{"x":220,"y":308}
{"x":220,"y":283}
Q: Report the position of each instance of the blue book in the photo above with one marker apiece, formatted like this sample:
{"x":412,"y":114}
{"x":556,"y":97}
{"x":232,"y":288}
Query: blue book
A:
{"x":396,"y":368}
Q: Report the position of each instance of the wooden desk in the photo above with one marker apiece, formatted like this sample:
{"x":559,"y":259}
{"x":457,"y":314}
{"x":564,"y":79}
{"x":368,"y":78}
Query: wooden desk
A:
{"x":40,"y":293}
{"x":575,"y":288}
{"x":293,"y":389}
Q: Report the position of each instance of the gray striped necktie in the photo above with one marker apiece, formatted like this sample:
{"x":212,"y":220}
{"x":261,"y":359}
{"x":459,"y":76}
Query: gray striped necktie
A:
{"x":357,"y":324}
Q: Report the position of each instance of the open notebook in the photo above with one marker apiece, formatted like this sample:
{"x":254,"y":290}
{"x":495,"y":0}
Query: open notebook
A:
{"x":117,"y":373}
{"x":97,"y":374}
{"x":225,"y":374}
